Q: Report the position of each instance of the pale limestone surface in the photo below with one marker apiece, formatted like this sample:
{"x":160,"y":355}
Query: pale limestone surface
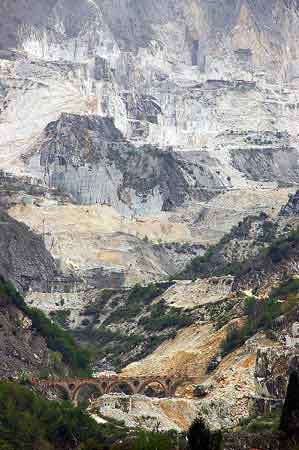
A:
{"x":200,"y":292}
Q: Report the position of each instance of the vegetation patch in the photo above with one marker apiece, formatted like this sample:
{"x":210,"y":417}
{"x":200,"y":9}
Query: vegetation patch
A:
{"x":139,"y":297}
{"x":288,"y":289}
{"x":200,"y":437}
{"x":58,"y":340}
{"x":119,"y":348}
{"x":264,"y":423}
{"x":61,"y":317}
{"x":280,"y":248}
{"x":161,"y":317}
{"x":110,"y":345}
{"x":29,"y":422}
{"x":261,"y":314}
{"x":135,"y":328}
{"x":213,"y":262}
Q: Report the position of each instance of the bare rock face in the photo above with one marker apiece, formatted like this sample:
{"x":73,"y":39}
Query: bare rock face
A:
{"x":182,"y":74}
{"x":21,"y":349}
{"x":268,"y":164}
{"x":272,"y":370}
{"x":291,"y":209}
{"x":275,"y":365}
{"x":156,"y":67}
{"x":89,"y":158}
{"x":24,"y":258}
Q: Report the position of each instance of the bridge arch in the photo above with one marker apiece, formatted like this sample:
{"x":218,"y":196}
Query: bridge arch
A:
{"x":94,"y":388}
{"x":59,"y":388}
{"x":121,"y":386}
{"x":146,"y":388}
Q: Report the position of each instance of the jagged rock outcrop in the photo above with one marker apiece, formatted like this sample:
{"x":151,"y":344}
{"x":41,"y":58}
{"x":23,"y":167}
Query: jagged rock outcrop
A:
{"x":224,"y":59}
{"x":22,"y":350}
{"x":243,"y":243}
{"x":272,"y":371}
{"x":89,"y":158}
{"x":224,"y":50}
{"x":275,"y":364}
{"x":270,"y":267}
{"x":207,"y":96}
{"x":24,"y":259}
{"x":291,"y":209}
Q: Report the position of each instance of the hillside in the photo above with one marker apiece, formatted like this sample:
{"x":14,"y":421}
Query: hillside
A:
{"x":31,"y":345}
{"x":149,"y":203}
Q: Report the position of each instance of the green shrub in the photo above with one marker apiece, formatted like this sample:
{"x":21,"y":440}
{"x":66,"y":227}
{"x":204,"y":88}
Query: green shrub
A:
{"x":281,"y":247}
{"x":260,"y":316}
{"x":212,"y":263}
{"x":250,"y":306}
{"x":152,"y":441}
{"x":264,"y":424}
{"x":112,"y":344}
{"x":28,"y":422}
{"x":201,"y":438}
{"x":139,"y":297}
{"x":57,"y":339}
{"x":286,"y":288}
{"x":61,"y":317}
{"x":161,"y":318}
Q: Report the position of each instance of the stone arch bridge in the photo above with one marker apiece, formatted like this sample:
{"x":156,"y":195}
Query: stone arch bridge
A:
{"x":111,"y":384}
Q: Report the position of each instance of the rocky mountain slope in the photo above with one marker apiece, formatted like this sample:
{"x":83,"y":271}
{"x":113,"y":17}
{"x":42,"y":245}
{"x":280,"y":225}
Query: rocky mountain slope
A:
{"x":24,"y":258}
{"x":147,"y":142}
{"x":149,"y":121}
{"x":24,"y":351}
{"x":32,"y":346}
{"x":183,"y":327}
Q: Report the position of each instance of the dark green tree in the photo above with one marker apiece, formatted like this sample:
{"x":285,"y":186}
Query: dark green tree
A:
{"x":201,"y":438}
{"x":290,"y":414}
